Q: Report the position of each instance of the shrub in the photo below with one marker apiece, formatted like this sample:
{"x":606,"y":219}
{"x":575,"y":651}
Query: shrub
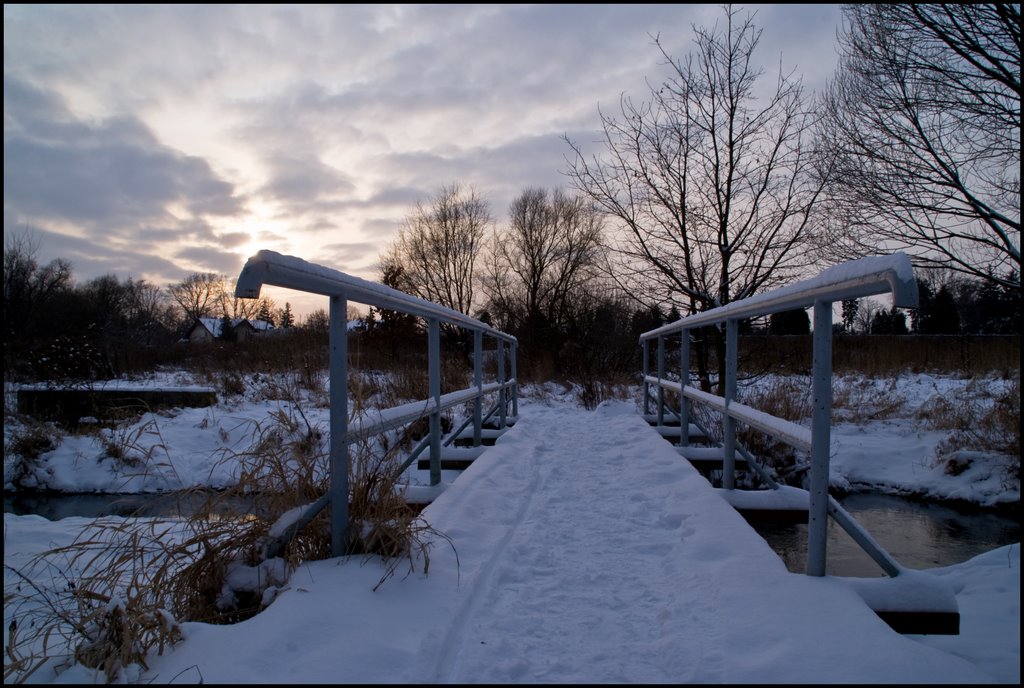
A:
{"x":24,"y":444}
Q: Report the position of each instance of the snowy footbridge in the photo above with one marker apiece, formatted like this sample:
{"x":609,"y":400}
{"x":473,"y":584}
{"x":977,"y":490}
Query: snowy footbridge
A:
{"x":906,"y":601}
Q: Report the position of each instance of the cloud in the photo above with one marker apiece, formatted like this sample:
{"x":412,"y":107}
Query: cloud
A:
{"x":305,"y":179}
{"x":111,"y":174}
{"x":90,"y":259}
{"x":211,"y":259}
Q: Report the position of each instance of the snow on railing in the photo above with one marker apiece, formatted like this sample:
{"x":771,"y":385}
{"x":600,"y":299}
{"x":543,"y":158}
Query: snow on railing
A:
{"x":891,"y":274}
{"x":271,"y":268}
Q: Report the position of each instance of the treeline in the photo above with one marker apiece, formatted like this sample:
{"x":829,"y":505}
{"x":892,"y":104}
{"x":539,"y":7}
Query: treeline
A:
{"x":58,"y":329}
{"x":956,"y":306}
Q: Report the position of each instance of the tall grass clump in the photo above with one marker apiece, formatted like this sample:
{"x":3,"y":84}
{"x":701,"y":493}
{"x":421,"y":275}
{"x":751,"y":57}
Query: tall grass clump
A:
{"x":976,"y":422}
{"x":862,"y":399}
{"x":594,"y":391}
{"x":94,"y":602}
{"x":786,"y":397}
{"x":25,"y":442}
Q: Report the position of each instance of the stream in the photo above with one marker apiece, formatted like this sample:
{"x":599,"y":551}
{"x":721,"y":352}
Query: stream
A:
{"x":917,"y":534}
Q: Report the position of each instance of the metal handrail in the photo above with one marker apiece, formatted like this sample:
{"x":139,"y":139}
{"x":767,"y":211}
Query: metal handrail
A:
{"x":855,"y":279}
{"x":891,"y":274}
{"x":761,"y":471}
{"x":425,"y":442}
{"x":271,"y":268}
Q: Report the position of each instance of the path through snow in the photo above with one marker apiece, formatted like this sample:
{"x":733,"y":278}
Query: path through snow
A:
{"x":615,"y":559}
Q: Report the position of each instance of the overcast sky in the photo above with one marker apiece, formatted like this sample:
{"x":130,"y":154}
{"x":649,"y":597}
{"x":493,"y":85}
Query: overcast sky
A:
{"x":154,"y":141}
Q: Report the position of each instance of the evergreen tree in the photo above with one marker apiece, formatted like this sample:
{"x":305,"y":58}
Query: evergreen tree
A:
{"x":945,"y":319}
{"x":287,"y":319}
{"x":227,"y":331}
{"x":264,"y":313}
{"x":920,"y":316}
{"x":889,"y":322}
{"x":850,"y":309}
{"x":789,"y":322}
{"x":997,"y":307}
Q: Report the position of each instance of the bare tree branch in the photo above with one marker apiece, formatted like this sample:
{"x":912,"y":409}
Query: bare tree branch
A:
{"x":709,"y":182}
{"x":438,"y":247}
{"x":921,"y":137}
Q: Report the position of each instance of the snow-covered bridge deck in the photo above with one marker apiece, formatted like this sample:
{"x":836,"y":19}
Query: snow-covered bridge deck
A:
{"x":635,"y":546}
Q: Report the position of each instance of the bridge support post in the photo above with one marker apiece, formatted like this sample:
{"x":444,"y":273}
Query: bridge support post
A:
{"x":728,"y":423}
{"x":515,"y":379}
{"x":661,"y":376}
{"x":503,"y":393}
{"x":338,"y":342}
{"x":645,"y":346}
{"x":434,"y":381}
{"x":821,"y":428}
{"x":478,"y":381}
{"x":684,"y":379}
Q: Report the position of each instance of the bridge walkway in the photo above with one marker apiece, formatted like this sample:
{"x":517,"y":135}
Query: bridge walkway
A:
{"x":589,"y":529}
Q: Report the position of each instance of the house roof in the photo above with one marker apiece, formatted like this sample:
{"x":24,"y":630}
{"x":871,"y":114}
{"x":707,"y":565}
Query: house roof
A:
{"x":213,"y":325}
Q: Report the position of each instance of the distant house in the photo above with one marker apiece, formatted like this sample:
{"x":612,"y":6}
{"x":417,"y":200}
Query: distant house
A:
{"x":262,"y":326}
{"x":209,"y":329}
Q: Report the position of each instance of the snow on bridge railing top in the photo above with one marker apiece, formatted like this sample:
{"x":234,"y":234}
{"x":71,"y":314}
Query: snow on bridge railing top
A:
{"x":864,"y":277}
{"x":275,"y":269}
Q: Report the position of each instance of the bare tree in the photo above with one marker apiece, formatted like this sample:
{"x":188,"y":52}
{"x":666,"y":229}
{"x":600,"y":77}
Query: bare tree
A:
{"x":236,"y":308}
{"x":438,"y":247}
{"x":28,"y":286}
{"x":149,"y":310}
{"x":542,"y":260}
{"x":922,"y":129}
{"x":197,"y":294}
{"x":711,"y":181}
{"x":711,"y":187}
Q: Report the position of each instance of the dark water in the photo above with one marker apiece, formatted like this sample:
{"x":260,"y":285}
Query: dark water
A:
{"x":55,"y":506}
{"x":917,"y":535}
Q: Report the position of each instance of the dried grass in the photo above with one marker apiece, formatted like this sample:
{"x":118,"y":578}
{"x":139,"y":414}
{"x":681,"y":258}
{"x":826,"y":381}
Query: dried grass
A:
{"x":96,"y":602}
{"x":24,"y":446}
{"x":118,"y":593}
{"x":862,"y":399}
{"x":976,"y":421}
{"x":593,"y":392}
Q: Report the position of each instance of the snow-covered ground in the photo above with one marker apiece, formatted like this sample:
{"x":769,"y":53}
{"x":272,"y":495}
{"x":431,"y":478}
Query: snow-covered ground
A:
{"x":881,"y":439}
{"x":578,"y":549}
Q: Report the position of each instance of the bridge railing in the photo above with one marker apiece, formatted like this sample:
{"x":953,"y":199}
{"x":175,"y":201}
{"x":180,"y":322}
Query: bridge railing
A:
{"x":270,"y":268}
{"x":875,"y":275}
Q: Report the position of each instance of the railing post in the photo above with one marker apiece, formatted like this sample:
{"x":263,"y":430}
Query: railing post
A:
{"x":684,"y":379}
{"x":434,"y":368}
{"x":728,"y":423}
{"x":502,"y":395}
{"x":338,"y":342}
{"x":478,"y":380}
{"x":661,"y":376}
{"x":821,"y":429}
{"x":515,"y":383}
{"x":645,"y":345}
